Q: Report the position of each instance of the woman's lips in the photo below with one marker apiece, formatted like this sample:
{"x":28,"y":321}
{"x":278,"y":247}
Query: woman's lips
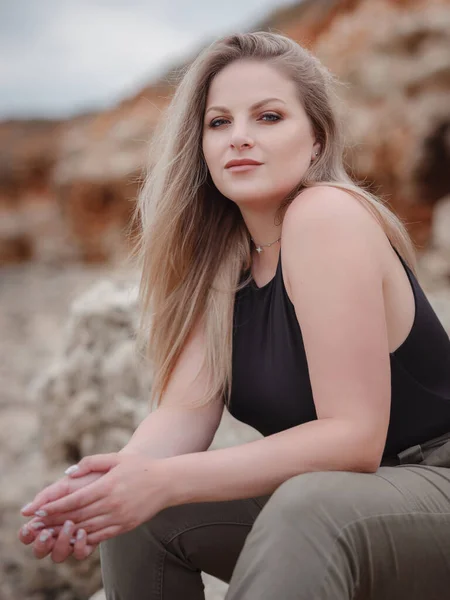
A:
{"x":242,"y":167}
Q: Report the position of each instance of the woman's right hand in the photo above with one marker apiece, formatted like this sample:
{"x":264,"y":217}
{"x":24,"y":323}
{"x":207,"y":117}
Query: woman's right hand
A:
{"x":58,"y":542}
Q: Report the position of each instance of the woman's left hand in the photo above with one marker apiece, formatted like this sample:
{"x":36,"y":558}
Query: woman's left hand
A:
{"x":134,"y":489}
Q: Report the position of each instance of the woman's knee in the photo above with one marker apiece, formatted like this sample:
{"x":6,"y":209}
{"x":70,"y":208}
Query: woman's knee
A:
{"x":144,"y":538}
{"x":132,"y":561}
{"x":342,"y":494}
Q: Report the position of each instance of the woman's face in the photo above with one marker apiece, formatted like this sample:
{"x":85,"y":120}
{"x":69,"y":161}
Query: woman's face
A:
{"x":277,"y":133}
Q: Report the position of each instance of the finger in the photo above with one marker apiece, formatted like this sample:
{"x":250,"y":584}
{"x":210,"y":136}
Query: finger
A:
{"x":43,"y":544}
{"x":96,"y":462}
{"x":62,"y":547}
{"x":79,"y":516}
{"x":96,"y":524}
{"x":64,"y":488}
{"x":83,"y":497}
{"x":26,"y":535}
{"x":81,"y":549}
{"x":29,"y":531}
{"x":82,"y":516}
{"x":52,"y":492}
{"x":52,"y":521}
{"x":104,"y":534}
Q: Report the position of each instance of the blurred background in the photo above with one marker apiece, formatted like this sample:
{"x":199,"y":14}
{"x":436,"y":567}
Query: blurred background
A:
{"x":82,"y":85}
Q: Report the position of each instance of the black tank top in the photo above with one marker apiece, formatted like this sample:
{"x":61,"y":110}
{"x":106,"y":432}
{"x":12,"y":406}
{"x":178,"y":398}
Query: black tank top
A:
{"x":271,"y":389}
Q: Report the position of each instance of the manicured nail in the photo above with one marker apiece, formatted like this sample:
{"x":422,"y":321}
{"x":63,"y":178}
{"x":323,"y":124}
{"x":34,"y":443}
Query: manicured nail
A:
{"x":71,"y":469}
{"x":25,"y":530}
{"x":41,"y":513}
{"x":37,"y":525}
{"x":72,"y":541}
{"x":44,"y":536}
{"x":26,"y":507}
{"x":51,"y":531}
{"x":80,"y":534}
{"x":67,"y":526}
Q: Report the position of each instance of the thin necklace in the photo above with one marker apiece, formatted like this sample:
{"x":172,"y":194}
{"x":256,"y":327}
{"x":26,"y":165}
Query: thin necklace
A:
{"x":261,"y":246}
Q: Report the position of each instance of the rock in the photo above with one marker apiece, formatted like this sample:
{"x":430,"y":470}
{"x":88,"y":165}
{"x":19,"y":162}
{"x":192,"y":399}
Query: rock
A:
{"x":67,"y":188}
{"x":94,"y":394}
{"x":34,"y":306}
{"x":441,"y":225}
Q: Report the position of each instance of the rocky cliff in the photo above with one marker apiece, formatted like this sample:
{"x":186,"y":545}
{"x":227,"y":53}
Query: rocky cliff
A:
{"x":67,"y":188}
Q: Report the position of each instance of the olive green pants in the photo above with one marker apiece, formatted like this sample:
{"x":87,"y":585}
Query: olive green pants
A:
{"x":328,"y":535}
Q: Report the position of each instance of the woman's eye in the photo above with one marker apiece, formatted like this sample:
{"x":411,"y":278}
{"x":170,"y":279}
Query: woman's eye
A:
{"x":271,"y":115}
{"x":215,"y":122}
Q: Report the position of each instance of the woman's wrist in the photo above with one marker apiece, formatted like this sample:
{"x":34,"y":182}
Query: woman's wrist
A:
{"x":166,"y":472}
{"x":130,"y":450}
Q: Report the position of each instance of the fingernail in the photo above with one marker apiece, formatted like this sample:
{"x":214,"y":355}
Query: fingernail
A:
{"x":41,"y":513}
{"x":67,"y":526}
{"x":25,"y":530}
{"x":51,"y":531}
{"x":71,"y":469}
{"x":37,"y":525}
{"x":26,"y":507}
{"x":80,"y":534}
{"x":72,"y":541}
{"x":44,"y":536}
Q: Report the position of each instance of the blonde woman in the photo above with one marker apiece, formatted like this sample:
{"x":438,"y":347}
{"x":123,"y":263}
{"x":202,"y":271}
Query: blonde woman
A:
{"x":275,"y":285}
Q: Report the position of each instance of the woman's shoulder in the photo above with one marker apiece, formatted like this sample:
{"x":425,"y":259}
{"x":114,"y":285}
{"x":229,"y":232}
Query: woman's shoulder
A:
{"x":325,"y":225}
{"x":325,"y":201}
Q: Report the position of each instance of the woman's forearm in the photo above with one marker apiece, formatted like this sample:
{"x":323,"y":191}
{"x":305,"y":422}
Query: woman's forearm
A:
{"x":170,"y":431}
{"x":259,"y":467}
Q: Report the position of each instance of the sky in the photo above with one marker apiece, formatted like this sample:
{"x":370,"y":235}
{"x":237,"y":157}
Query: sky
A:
{"x":65,"y":57}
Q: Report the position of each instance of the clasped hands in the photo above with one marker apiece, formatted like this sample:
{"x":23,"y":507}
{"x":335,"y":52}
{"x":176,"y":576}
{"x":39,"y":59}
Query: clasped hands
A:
{"x":102,"y":496}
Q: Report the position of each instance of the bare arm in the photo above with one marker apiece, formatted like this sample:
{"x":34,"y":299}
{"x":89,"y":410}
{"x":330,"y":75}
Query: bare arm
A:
{"x":170,"y":431}
{"x":257,"y":468}
{"x":176,"y":427}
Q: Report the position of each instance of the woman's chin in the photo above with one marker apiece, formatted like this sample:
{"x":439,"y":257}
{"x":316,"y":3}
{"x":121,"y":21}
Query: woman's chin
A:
{"x":250,"y":195}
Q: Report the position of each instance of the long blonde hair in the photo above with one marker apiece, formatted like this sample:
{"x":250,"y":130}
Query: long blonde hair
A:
{"x":193,"y":246}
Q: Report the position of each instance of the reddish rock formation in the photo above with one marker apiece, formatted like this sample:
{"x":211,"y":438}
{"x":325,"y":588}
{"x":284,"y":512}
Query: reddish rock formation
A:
{"x":27,"y":158}
{"x":67,"y":188}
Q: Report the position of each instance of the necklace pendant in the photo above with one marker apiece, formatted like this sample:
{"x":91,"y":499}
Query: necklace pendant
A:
{"x":259,"y":249}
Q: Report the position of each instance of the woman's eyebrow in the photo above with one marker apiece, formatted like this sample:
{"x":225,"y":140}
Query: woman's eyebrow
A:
{"x":256,"y":105}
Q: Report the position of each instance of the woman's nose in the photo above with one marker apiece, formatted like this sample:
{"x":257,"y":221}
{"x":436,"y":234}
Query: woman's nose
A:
{"x":239,"y":140}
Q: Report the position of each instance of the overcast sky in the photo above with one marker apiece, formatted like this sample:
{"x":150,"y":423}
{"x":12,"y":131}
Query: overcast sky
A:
{"x":62,"y":57}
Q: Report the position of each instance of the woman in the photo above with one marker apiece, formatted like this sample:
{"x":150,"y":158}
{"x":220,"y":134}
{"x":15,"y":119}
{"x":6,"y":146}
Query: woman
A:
{"x":289,"y":293}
